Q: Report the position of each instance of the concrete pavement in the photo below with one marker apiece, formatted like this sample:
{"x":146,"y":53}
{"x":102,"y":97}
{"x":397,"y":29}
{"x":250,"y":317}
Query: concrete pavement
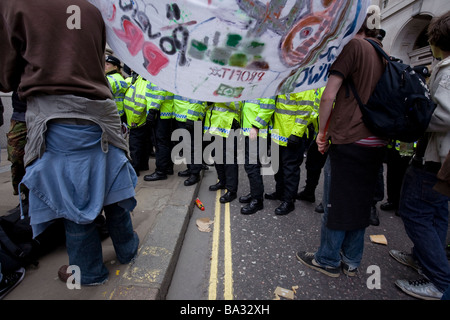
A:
{"x":160,"y":219}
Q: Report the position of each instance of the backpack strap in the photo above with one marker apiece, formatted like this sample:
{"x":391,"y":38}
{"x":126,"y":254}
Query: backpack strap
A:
{"x":379,"y":49}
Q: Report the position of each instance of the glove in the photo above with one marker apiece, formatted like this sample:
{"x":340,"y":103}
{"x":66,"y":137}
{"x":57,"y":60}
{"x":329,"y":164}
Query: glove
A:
{"x":294,"y":141}
{"x":152,"y":114}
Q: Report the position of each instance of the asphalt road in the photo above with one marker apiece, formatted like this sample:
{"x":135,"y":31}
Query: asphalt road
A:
{"x":249,"y":257}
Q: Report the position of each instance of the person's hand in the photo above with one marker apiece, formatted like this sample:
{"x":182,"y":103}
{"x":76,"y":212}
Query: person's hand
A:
{"x":322,"y":143}
{"x":253,"y":133}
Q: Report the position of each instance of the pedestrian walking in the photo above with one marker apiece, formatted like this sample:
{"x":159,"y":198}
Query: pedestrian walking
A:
{"x":75,"y":156}
{"x":354,"y":157}
{"x":424,"y":211}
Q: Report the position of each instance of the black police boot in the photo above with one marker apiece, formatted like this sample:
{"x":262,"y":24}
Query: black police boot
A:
{"x":284,"y":208}
{"x":185,"y":173}
{"x":193,"y":179}
{"x":306,"y":195}
{"x":374,"y":220}
{"x":254,"y":206}
{"x":217,"y":186}
{"x":155,"y":176}
{"x":245,"y":199}
{"x":228,"y":197}
{"x":272,"y":196}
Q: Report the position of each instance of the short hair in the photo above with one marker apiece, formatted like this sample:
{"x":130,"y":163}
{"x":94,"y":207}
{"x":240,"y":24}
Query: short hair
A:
{"x":367,"y":30}
{"x":439,"y":32}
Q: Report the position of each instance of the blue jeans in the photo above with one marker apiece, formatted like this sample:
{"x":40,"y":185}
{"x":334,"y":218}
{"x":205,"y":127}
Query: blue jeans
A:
{"x":337,"y":245}
{"x":425,"y":215}
{"x":84,"y":245}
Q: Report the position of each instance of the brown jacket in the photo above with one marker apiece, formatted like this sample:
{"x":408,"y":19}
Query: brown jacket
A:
{"x":29,"y":28}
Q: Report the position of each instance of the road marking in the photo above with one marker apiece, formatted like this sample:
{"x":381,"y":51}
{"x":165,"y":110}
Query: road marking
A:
{"x":215,"y":251}
{"x":228,"y":293}
{"x":228,"y":265}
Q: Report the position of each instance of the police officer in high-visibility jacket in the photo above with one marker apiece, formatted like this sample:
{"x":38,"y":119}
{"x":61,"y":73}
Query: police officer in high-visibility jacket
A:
{"x":290,"y":128}
{"x":160,"y":118}
{"x":256,"y":118}
{"x":222,"y":121}
{"x":116,"y":81}
{"x":136,"y":103}
{"x":186,"y":113}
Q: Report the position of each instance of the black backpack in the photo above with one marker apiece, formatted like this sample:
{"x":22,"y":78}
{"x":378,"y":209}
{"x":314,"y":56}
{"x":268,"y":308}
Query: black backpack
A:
{"x":400,"y":107}
{"x":17,"y":246}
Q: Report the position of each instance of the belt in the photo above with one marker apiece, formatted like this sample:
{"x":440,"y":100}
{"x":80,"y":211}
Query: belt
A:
{"x":429,"y":166}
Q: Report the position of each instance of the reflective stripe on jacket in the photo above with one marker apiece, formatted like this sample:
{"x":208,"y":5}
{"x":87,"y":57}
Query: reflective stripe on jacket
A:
{"x":137,"y":100}
{"x":185,"y":108}
{"x":292,"y":115}
{"x":258,"y":113}
{"x":118,"y":88}
{"x":220,"y":116}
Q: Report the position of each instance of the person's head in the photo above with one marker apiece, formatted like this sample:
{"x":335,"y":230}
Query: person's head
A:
{"x":112,"y":63}
{"x":367,"y":29}
{"x":439,"y":36}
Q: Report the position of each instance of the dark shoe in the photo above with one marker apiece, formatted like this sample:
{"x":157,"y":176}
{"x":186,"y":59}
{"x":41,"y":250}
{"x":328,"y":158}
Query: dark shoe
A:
{"x":306,"y":196}
{"x":155,"y":176}
{"x":193,"y":179}
{"x":185,"y":173}
{"x":254,"y":206}
{"x":284,"y":208}
{"x":387,"y":206}
{"x":319,"y":208}
{"x":245,"y":199}
{"x":228,"y":197}
{"x":373,"y":220}
{"x":272,"y":196}
{"x":217,"y":186}
{"x":421,"y":288}
{"x":63,"y":275}
{"x":307,"y":258}
{"x":10,"y":281}
{"x":350,"y":272}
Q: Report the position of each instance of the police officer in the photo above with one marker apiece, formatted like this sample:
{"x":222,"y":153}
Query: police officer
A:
{"x":291,"y":119}
{"x":222,"y":121}
{"x":186,"y":113}
{"x":160,"y":118}
{"x":256,"y":118}
{"x":136,"y":103}
{"x":116,"y":81}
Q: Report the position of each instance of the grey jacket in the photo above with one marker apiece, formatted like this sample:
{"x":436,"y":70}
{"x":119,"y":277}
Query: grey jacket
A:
{"x":439,"y":127}
{"x":70,"y":109}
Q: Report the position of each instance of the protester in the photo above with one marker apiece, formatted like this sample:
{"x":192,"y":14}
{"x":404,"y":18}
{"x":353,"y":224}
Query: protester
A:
{"x":354,"y":158}
{"x":75,"y":156}
{"x":424,"y":211}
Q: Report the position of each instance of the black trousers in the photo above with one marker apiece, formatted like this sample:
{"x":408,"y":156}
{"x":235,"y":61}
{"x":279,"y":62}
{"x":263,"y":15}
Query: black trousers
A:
{"x":252,"y":167}
{"x":313,"y":165}
{"x":228,"y":171}
{"x":193,"y":166}
{"x":163,"y":132}
{"x":396,"y":169}
{"x":139,"y":150}
{"x":288,"y":176}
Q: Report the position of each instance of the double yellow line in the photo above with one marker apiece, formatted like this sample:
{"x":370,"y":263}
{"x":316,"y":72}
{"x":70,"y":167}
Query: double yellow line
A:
{"x":228,"y":265}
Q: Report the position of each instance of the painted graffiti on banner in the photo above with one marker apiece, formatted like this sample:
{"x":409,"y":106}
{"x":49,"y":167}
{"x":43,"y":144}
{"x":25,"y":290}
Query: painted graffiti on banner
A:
{"x":225,"y":50}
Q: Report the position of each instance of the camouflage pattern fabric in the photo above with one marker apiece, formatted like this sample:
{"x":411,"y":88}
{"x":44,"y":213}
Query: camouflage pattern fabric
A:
{"x":17,"y":138}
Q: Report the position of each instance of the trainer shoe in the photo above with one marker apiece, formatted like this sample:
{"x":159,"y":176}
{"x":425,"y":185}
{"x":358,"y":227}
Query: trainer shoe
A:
{"x":422,"y":289}
{"x":405,"y":258}
{"x":307,"y":258}
{"x":348,"y":271}
{"x":10,"y":281}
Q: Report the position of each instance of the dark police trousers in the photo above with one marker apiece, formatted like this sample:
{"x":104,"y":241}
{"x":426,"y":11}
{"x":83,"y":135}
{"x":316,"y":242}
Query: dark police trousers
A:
{"x":252,"y":167}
